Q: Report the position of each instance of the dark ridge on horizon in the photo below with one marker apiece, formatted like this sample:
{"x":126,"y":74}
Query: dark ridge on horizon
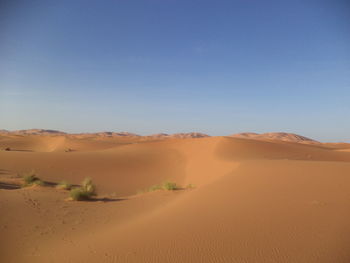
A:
{"x":280,"y":136}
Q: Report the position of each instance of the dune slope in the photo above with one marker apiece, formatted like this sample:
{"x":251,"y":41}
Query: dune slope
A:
{"x":254,"y":201}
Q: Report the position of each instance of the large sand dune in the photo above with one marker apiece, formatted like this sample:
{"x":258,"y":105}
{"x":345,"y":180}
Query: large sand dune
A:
{"x":255,"y":200}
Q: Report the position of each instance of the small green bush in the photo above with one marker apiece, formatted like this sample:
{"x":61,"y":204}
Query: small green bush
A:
{"x":77,"y":194}
{"x":29,"y":179}
{"x":64,"y":185}
{"x":38,"y":182}
{"x":85,"y":192}
{"x":170,"y":186}
{"x":32,"y":179}
{"x":88,"y":186}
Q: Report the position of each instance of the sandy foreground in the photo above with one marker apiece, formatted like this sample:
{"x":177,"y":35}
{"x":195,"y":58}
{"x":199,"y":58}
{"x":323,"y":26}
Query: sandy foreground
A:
{"x":253,"y":200}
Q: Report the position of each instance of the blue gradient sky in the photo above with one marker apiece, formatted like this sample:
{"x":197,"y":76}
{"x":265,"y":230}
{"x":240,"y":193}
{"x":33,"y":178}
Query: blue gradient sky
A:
{"x":150,"y":66}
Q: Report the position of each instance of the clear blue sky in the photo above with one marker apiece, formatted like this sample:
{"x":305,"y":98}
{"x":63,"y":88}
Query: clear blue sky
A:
{"x":150,"y":66}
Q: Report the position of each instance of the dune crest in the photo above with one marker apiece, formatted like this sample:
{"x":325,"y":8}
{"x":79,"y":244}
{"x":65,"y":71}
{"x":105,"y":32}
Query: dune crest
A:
{"x":281,"y":136}
{"x":36,"y":132}
{"x":179,"y":135}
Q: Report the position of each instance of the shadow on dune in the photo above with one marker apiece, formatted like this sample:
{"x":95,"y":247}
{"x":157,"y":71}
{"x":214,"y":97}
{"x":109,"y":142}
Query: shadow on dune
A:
{"x":53,"y":184}
{"x":106,"y":199}
{"x":9,"y":186}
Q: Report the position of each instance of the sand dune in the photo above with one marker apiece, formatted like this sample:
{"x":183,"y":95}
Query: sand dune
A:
{"x":254,"y":200}
{"x":35,"y":132}
{"x":280,"y":136}
{"x":101,"y":134}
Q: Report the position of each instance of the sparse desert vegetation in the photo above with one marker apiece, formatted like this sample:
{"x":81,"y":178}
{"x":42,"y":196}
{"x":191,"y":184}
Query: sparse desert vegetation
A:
{"x":167,"y":185}
{"x":170,"y":186}
{"x":84,"y":192}
{"x":64,"y":185}
{"x":31,"y":178}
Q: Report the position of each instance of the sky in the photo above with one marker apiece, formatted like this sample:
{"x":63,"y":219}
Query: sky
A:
{"x":217,"y":67}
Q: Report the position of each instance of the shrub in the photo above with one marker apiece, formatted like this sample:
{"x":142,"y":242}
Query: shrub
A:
{"x":170,"y":186}
{"x":29,"y":178}
{"x":85,"y":192}
{"x":88,"y":186}
{"x":8,"y":149}
{"x":38,"y":182}
{"x":77,"y":194}
{"x":32,"y":179}
{"x":64,"y":185}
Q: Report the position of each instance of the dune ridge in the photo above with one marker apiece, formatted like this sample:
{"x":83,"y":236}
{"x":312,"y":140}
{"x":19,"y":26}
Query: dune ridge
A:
{"x":281,"y":136}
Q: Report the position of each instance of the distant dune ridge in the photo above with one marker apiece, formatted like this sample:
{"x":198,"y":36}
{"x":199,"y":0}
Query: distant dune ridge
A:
{"x":108,"y":134}
{"x":34,"y":132}
{"x":104,"y":134}
{"x":55,"y":132}
{"x":280,"y":136}
{"x":180,"y":135}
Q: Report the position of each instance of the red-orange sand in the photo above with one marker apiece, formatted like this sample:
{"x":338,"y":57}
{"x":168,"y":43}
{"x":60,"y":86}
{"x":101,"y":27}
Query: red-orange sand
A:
{"x":254,"y":200}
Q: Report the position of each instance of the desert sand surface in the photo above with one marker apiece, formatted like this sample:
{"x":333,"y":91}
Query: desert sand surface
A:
{"x":254,"y":199}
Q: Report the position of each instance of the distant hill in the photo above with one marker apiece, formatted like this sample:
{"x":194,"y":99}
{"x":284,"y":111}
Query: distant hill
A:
{"x":37,"y":132}
{"x":105,"y":134}
{"x":281,"y":136}
{"x":179,"y":135}
{"x":160,"y":135}
{"x":55,"y":132}
{"x":189,"y":135}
